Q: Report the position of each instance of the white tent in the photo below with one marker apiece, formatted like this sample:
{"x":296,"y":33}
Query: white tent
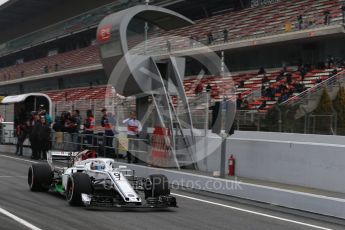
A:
{"x":22,"y":97}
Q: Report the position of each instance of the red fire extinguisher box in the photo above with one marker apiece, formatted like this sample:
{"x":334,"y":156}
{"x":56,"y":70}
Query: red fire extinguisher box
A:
{"x":231,"y":165}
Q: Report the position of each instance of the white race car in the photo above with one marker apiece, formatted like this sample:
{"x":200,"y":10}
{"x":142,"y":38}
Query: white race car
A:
{"x":92,"y":181}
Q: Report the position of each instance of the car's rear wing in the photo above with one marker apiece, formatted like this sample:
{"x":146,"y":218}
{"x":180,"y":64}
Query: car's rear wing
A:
{"x":60,"y":156}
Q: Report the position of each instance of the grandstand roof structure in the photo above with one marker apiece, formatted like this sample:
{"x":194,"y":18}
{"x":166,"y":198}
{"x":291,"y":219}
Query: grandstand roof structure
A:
{"x":19,"y":17}
{"x":16,"y":11}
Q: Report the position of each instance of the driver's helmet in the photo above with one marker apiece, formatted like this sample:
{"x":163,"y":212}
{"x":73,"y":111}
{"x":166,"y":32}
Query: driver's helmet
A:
{"x":97,"y":166}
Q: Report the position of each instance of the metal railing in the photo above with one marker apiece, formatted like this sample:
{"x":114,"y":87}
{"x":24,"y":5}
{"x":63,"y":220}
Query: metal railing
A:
{"x":303,"y":97}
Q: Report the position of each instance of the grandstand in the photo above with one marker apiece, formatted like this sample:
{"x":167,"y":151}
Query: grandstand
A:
{"x":58,"y":54}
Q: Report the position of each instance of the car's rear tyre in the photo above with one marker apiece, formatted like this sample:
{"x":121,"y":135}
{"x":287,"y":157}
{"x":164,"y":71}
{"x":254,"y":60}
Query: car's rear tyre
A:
{"x":77,"y":184}
{"x":156,"y":185}
{"x":40,"y":177}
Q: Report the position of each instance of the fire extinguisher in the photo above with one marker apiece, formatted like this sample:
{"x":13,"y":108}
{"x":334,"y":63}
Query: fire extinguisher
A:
{"x":231,"y":166}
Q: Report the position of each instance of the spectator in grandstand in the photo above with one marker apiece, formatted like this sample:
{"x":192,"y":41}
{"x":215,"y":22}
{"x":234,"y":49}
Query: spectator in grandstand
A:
{"x":327,"y":18}
{"x":2,"y":119}
{"x":333,"y":73}
{"x":199,"y":88}
{"x":330,"y":61}
{"x":263,"y":105}
{"x":241,"y":84}
{"x":270,"y":92}
{"x":34,"y":135}
{"x":239,"y":101}
{"x":208,"y":88}
{"x":89,"y":127}
{"x":134,"y":128}
{"x":264,"y":79}
{"x":288,"y":78}
{"x":56,"y":67}
{"x":281,"y":88}
{"x":245,"y":104}
{"x":303,"y":72}
{"x":299,"y":87}
{"x":288,"y":27}
{"x":44,"y":138}
{"x":283,"y":97}
{"x":210,"y":38}
{"x":290,"y":92}
{"x":280,"y":76}
{"x":343,"y":10}
{"x":22,"y":73}
{"x":45,"y":69}
{"x":300,"y":21}
{"x":263,"y":90}
{"x":312,"y":21}
{"x":319,"y":80}
{"x":226,"y":35}
{"x":261,"y":71}
{"x":108,"y":131}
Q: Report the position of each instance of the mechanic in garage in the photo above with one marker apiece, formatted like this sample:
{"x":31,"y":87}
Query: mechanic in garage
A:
{"x":134,"y":127}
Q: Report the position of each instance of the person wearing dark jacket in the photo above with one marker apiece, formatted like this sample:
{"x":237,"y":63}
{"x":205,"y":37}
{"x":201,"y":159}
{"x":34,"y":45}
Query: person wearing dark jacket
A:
{"x":89,"y":127}
{"x":34,"y":134}
{"x":22,"y":133}
{"x":108,"y":131}
{"x":44,"y":137}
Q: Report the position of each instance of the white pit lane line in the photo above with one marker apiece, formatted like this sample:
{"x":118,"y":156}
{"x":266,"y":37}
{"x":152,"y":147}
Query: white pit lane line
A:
{"x":16,"y":158}
{"x":19,"y":220}
{"x":252,"y":212}
{"x":7,"y":213}
{"x":214,"y":203}
{"x":13,"y":176}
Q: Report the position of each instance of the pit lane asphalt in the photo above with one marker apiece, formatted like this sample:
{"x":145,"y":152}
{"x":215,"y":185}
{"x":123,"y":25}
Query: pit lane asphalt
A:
{"x":51,"y":211}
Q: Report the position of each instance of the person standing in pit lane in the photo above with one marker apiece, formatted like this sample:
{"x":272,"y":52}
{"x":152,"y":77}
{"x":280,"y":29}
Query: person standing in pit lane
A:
{"x":34,"y":134}
{"x":22,"y":132}
{"x":44,"y":137}
{"x":134,"y":127}
{"x":108,"y":132}
{"x":89,"y":127}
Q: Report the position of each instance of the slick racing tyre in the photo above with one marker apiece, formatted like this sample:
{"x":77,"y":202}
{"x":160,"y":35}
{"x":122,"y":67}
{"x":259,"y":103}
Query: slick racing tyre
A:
{"x":40,"y":177}
{"x":156,"y":185}
{"x":77,"y":184}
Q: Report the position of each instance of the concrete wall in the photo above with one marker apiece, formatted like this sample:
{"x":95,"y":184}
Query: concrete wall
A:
{"x":297,"y":200}
{"x":314,"y":161}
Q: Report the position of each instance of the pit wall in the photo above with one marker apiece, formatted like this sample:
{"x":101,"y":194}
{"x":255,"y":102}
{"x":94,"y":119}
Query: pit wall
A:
{"x":314,"y":161}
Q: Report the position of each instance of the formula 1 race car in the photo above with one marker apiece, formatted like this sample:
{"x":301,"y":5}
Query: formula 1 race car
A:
{"x":96,"y":182}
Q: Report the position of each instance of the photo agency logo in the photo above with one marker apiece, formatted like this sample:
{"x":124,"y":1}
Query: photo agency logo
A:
{"x":171,"y":123}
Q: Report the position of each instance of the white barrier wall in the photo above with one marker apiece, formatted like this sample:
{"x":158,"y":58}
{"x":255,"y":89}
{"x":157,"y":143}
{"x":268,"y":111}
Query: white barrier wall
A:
{"x":297,"y":200}
{"x":297,"y":159}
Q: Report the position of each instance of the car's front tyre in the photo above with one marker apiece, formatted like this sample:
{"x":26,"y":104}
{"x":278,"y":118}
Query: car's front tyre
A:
{"x":77,"y":184}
